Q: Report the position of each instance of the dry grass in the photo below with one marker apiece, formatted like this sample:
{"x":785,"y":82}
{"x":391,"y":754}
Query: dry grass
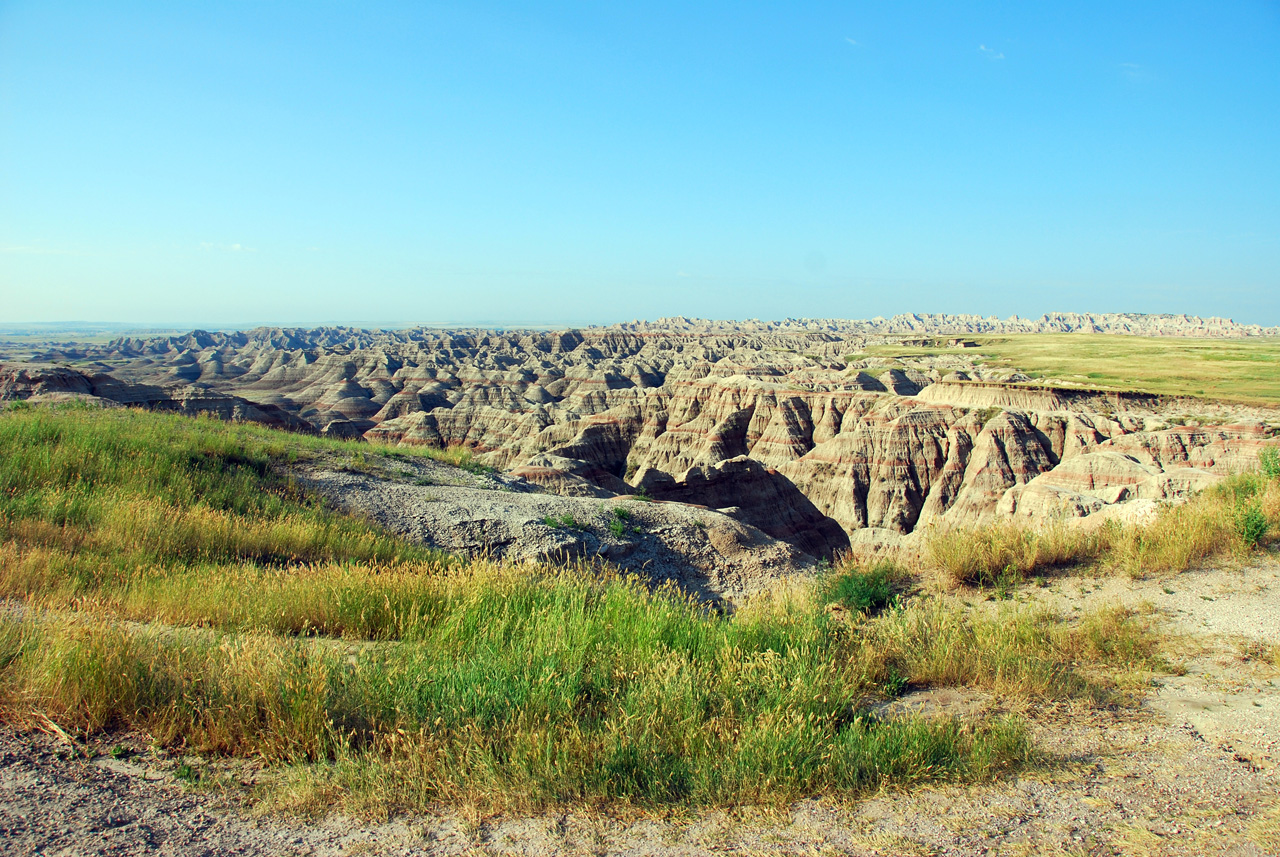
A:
{"x":1223,"y":523}
{"x":522,"y":690}
{"x":1016,"y":652}
{"x":174,"y":582}
{"x":1008,"y":551}
{"x":1234,"y":370}
{"x":1265,"y":829}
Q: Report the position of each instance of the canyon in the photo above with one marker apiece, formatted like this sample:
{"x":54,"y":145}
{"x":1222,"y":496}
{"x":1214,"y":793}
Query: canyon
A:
{"x":790,"y":427}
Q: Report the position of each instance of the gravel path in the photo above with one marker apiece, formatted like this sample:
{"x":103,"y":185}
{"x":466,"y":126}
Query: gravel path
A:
{"x":1227,"y":621}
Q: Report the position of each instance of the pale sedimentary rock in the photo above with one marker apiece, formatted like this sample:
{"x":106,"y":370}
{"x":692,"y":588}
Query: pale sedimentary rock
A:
{"x":767,"y":419}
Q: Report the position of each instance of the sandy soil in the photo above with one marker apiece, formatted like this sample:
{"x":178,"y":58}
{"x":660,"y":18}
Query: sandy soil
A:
{"x":1194,"y":770}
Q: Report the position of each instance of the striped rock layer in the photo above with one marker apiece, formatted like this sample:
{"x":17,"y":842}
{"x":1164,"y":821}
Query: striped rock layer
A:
{"x":770,"y":422}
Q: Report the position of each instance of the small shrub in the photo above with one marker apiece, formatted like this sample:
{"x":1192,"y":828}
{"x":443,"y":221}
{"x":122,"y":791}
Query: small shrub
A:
{"x":620,"y":523}
{"x":865,"y":591}
{"x":1269,"y":463}
{"x":1005,"y":583}
{"x":896,"y":684}
{"x":1251,"y":524}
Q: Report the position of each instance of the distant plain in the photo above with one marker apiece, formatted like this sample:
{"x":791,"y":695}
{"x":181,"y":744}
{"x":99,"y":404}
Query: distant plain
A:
{"x":1245,"y":371}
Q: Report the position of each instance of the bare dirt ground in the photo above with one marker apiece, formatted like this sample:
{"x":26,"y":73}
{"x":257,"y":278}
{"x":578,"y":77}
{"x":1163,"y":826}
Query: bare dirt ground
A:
{"x":1194,"y":770}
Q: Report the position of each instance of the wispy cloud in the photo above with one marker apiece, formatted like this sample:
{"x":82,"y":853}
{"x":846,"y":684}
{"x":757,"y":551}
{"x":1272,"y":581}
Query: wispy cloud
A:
{"x":990,"y":53}
{"x":853,"y":42}
{"x":1135,"y":71}
{"x":227,"y":248}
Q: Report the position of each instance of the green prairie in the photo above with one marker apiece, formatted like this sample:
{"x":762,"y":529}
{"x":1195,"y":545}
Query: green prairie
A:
{"x":1230,"y":370}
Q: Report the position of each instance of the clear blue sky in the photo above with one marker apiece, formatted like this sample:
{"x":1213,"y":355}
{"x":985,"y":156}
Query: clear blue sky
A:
{"x":224,"y":163}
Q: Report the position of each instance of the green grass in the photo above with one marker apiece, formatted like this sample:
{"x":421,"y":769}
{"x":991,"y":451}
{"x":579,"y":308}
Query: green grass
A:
{"x":620,"y":525}
{"x":458,"y":456}
{"x":176,"y":582}
{"x":1223,"y":523}
{"x":523,"y":692}
{"x":1269,"y":463}
{"x":96,"y":500}
{"x":862,"y":590}
{"x":1235,"y":370}
{"x":563,"y":522}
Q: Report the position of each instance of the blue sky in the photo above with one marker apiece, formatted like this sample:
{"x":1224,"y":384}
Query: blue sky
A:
{"x":233,"y":163}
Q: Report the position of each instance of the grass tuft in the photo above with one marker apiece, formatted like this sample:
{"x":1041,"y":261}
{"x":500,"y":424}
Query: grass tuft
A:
{"x":866,"y":591}
{"x":1269,"y":463}
{"x":459,"y":456}
{"x":1224,"y":522}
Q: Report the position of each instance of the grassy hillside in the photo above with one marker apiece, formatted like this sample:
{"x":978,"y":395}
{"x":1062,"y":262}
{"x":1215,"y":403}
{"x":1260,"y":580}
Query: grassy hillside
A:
{"x":1234,"y":370}
{"x":164,"y":574}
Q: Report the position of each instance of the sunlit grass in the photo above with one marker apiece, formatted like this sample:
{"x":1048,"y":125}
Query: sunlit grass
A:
{"x":519,"y":689}
{"x":173,"y":580}
{"x":1225,"y":522}
{"x":1235,"y":370}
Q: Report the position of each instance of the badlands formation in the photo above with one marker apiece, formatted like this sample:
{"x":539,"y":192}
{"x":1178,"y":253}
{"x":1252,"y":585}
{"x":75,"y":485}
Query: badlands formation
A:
{"x":784,"y":427}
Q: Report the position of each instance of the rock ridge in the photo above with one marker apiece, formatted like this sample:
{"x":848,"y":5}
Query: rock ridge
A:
{"x":770,"y":421}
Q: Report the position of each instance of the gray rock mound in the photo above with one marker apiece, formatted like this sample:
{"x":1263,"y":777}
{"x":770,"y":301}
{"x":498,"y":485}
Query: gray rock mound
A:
{"x":707,"y":554}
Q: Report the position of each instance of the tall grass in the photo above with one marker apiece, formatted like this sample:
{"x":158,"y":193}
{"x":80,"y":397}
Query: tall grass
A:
{"x":518,"y":690}
{"x":176,"y":582}
{"x":1224,"y":522}
{"x":92,"y":499}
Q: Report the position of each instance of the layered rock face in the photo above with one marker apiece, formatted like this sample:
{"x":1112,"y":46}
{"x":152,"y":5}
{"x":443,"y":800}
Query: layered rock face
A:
{"x":767,"y":422}
{"x":44,"y":383}
{"x":1139,"y":324}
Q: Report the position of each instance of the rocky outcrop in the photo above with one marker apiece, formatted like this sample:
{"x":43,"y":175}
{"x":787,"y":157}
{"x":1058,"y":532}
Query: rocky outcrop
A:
{"x":760,"y":496}
{"x":1218,"y":449}
{"x":41,"y":382}
{"x":768,"y":419}
{"x":710,"y":555}
{"x":571,"y":477}
{"x":1032,"y":397}
{"x":1090,"y":483}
